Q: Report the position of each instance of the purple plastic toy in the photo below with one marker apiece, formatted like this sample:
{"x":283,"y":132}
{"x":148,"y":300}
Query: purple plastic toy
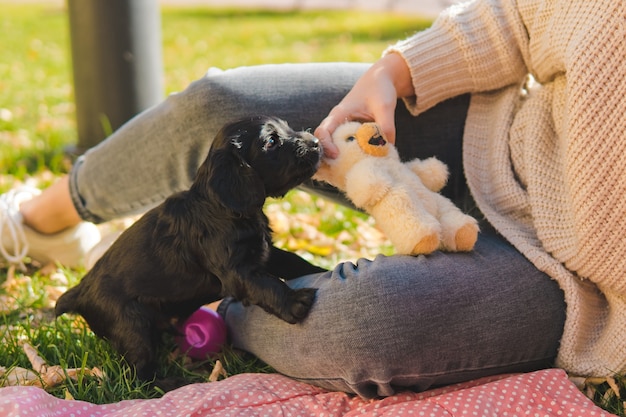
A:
{"x":202,"y":334}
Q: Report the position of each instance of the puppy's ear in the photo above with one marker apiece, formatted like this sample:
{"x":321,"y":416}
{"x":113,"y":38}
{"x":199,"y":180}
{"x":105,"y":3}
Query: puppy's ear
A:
{"x":232,"y":181}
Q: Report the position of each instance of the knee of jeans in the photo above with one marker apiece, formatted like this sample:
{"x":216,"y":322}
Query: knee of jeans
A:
{"x":224,"y":86}
{"x":212,"y":96}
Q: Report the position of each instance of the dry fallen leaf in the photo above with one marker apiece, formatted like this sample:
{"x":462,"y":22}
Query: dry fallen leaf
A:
{"x":589,"y":386}
{"x":218,"y":370}
{"x":68,"y":396}
{"x":53,"y":294}
{"x":42,"y":375}
{"x":17,"y":376}
{"x":590,"y":392}
{"x":613,"y":385}
{"x":8,"y":304}
{"x":52,"y":377}
{"x":579,"y":381}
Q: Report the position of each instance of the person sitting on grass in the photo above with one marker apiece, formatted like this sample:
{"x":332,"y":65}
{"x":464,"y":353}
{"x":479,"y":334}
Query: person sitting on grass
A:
{"x":525,"y":101}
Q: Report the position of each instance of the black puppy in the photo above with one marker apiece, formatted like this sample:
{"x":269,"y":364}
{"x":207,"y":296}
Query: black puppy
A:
{"x":203,"y":244}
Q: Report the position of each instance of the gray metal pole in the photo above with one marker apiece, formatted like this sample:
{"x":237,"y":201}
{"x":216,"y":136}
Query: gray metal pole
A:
{"x":117,"y":63}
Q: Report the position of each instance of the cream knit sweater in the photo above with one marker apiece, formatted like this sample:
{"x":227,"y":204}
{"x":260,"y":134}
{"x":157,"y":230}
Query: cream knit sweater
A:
{"x":546,"y":163}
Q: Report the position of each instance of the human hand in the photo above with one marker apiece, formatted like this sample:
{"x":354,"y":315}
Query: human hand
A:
{"x":373,"y":98}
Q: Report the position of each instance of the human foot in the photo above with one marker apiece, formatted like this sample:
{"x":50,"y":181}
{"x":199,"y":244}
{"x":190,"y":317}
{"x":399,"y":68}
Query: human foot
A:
{"x":18,"y":240}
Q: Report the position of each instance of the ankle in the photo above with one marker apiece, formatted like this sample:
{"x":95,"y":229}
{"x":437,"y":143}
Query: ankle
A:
{"x":52,"y":211}
{"x":40,"y":220}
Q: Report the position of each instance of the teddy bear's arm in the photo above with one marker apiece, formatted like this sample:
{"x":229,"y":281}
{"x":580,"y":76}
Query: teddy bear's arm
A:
{"x":323,"y":172}
{"x":432,"y":172}
{"x":367,"y":182}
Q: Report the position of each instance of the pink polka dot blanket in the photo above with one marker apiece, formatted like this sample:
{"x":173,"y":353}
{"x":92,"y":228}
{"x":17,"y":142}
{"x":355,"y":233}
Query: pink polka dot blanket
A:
{"x":541,"y":393}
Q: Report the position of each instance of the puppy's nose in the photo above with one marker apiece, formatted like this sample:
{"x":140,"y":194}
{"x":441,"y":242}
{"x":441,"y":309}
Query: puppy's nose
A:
{"x":310,"y":139}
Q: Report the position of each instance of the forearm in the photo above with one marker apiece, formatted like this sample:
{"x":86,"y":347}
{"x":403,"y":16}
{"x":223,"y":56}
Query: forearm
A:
{"x":394,"y":67}
{"x":480,"y":46}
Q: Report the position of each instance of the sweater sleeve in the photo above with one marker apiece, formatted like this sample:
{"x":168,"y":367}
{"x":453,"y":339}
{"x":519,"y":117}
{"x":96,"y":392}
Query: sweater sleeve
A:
{"x":477,"y":46}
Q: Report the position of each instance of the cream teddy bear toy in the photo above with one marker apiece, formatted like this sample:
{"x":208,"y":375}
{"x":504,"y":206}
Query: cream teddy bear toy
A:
{"x":402,"y":197}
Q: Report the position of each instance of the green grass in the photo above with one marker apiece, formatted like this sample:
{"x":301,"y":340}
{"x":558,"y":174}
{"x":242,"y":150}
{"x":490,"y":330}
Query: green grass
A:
{"x":71,"y":344}
{"x":37,"y":124}
{"x":36,"y":110}
{"x":230,"y":38}
{"x":36,"y":106}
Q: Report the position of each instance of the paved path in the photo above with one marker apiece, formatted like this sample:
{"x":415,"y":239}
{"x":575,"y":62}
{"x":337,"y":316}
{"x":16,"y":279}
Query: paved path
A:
{"x":427,"y":8}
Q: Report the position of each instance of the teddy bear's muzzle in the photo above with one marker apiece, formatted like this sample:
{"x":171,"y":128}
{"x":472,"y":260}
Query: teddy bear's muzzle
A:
{"x":377,"y":141}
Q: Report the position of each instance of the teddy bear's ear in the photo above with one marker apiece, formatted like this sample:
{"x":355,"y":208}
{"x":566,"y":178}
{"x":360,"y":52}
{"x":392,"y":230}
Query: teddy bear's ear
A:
{"x":371,"y":140}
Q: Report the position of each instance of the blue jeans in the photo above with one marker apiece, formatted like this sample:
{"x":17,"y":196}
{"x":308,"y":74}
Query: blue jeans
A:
{"x":377,"y":325}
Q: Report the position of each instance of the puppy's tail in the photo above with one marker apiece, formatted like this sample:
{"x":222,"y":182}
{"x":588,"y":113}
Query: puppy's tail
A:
{"x":67,"y":302}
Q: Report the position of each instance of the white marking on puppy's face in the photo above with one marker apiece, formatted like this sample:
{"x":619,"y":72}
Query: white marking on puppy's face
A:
{"x":272,"y":135}
{"x":236,"y":143}
{"x":282,"y":157}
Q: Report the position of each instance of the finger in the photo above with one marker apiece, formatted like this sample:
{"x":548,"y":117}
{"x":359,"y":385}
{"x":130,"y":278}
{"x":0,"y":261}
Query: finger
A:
{"x":330,"y":123}
{"x":324,"y":133}
{"x":330,"y":149}
{"x":388,"y":127}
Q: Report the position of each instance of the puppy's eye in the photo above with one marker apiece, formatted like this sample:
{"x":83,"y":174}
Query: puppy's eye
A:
{"x":271,"y":142}
{"x":350,"y":138}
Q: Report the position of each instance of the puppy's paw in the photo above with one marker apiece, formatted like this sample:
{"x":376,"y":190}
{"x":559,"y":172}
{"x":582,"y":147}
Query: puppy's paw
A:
{"x":298,"y":304}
